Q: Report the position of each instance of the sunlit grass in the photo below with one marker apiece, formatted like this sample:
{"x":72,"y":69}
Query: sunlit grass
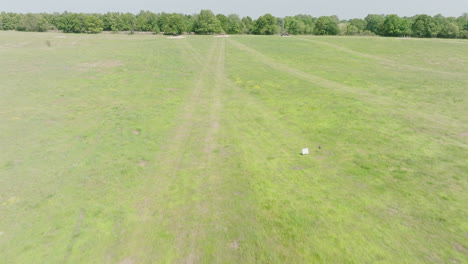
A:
{"x":141,"y":149}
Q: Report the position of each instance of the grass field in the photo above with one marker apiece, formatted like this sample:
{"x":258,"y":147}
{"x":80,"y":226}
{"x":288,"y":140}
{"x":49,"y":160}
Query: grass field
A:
{"x":141,"y":149}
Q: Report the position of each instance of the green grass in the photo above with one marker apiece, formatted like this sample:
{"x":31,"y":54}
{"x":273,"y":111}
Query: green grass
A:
{"x":142,"y":149}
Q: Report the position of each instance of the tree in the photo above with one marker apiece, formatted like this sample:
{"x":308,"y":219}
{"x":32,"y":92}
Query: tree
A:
{"x":353,"y":26}
{"x":91,"y":23}
{"x":234,"y":24}
{"x":189,"y":21}
{"x":33,"y":23}
{"x":309,"y":23}
{"x":280,"y":24}
{"x":295,"y":26}
{"x":206,"y":23}
{"x":463,"y":21}
{"x":9,"y":21}
{"x":449,"y":30}
{"x":119,"y":21}
{"x":327,"y":25}
{"x":111,"y":21}
{"x":223,"y":21}
{"x":360,"y":24}
{"x":79,"y":23}
{"x":248,"y":25}
{"x":374,"y":23}
{"x":128,"y":21}
{"x":265,"y":25}
{"x":349,"y":29}
{"x":68,"y":23}
{"x":440,"y":19}
{"x":447,"y":26}
{"x":463,"y":34}
{"x":425,"y":26}
{"x":147,"y":21}
{"x":172,"y":23}
{"x":394,"y":25}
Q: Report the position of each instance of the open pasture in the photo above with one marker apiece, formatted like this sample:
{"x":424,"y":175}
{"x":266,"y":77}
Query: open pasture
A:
{"x":142,"y":149}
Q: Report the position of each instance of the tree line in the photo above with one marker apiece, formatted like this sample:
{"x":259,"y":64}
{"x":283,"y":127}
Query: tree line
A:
{"x":206,"y":22}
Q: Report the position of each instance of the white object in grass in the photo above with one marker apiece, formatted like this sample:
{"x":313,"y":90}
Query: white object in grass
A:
{"x":305,"y":151}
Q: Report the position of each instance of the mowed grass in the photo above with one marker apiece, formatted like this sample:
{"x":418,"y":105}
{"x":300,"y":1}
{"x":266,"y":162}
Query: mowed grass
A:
{"x":142,"y":149}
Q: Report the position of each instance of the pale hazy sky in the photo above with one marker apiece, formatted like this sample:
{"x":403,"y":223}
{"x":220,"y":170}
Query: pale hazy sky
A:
{"x":343,"y":8}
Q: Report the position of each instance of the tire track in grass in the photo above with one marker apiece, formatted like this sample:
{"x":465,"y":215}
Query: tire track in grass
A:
{"x":156,"y":187}
{"x":250,"y":101}
{"x":379,"y":59}
{"x":197,"y":230}
{"x":216,"y":104}
{"x":211,"y":217}
{"x":267,"y":167}
{"x":236,"y":242}
{"x":272,"y":173}
{"x":75,"y":235}
{"x":187,"y":194}
{"x":177,"y":199}
{"x":273,"y":138}
{"x":437,"y":120}
{"x":323,"y":82}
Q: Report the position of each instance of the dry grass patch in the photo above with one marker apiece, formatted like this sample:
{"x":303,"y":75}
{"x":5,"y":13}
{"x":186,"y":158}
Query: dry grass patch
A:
{"x":142,"y":163}
{"x":13,"y":45}
{"x":102,"y":64}
{"x":176,"y":37}
{"x":234,"y":245}
{"x":127,"y":260}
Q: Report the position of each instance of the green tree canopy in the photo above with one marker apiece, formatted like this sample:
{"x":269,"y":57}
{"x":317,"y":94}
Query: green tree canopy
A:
{"x":234,"y":24}
{"x":112,"y":21}
{"x":394,"y":25}
{"x":91,"y":23}
{"x":374,"y":23}
{"x":265,"y":25}
{"x":309,"y":23}
{"x":295,"y":26}
{"x":223,"y":21}
{"x":425,"y":26}
{"x":349,"y":29}
{"x":206,"y":23}
{"x":447,"y":26}
{"x":9,"y":21}
{"x":172,"y":23}
{"x":360,"y":24}
{"x":449,"y":30}
{"x":463,"y":21}
{"x":327,"y":25}
{"x":79,"y":23}
{"x":147,"y":21}
{"x":33,"y":23}
{"x":248,"y":24}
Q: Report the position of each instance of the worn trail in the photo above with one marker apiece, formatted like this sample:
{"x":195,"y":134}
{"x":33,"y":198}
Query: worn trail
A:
{"x":180,"y":197}
{"x":392,"y":104}
{"x":379,"y":59}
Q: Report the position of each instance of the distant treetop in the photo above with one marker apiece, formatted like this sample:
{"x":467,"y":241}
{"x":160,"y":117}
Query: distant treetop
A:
{"x":206,"y":22}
